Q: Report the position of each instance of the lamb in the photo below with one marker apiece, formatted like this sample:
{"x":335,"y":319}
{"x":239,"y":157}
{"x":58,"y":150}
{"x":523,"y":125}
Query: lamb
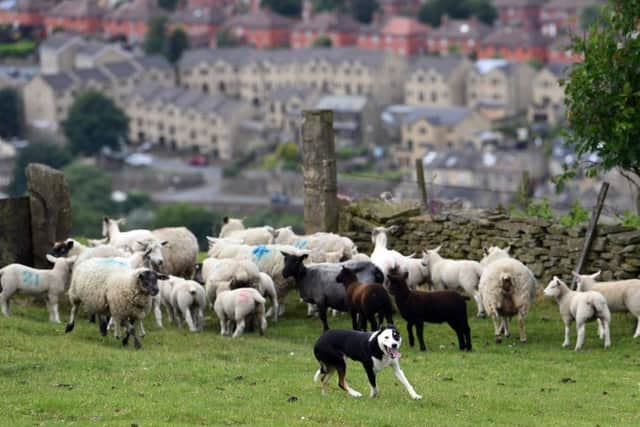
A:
{"x":621,"y":295}
{"x":186,"y":297}
{"x":318,"y":243}
{"x":417,"y":307}
{"x":382,"y":257}
{"x":500,"y":273}
{"x":317,"y":283}
{"x":454,"y":274}
{"x":181,"y":252}
{"x":234,"y":228}
{"x":581,"y":306}
{"x":71,"y":247}
{"x":365,"y":300}
{"x":26,"y":280}
{"x":123,"y":240}
{"x":236,"y":305}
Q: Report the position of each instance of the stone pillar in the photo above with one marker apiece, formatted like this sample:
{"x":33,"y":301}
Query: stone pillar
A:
{"x":320,"y":174}
{"x":15,"y":231}
{"x":50,"y":210}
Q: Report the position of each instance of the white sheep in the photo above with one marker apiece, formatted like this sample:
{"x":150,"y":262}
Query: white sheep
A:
{"x":621,"y":295}
{"x":581,"y":306}
{"x":235,"y":306}
{"x":71,"y":247}
{"x":319,"y":244}
{"x":386,"y":259}
{"x":123,"y":240}
{"x":234,"y":228}
{"x":186,"y":297}
{"x":180,"y":254}
{"x":454,"y":274}
{"x":49,"y":284}
{"x":507,"y":288}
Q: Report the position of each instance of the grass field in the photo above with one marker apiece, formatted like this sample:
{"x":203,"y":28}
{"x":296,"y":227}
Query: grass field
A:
{"x":178,"y":379}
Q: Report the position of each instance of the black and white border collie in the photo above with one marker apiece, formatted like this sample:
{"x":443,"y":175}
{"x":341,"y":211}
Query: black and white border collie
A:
{"x":374,"y":350}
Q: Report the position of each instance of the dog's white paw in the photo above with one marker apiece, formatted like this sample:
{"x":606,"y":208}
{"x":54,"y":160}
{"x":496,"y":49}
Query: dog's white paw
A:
{"x":354,"y":393}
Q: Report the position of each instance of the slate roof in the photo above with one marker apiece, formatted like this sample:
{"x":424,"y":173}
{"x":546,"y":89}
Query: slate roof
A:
{"x":261,"y":19}
{"x":443,"y":65}
{"x":328,"y":22}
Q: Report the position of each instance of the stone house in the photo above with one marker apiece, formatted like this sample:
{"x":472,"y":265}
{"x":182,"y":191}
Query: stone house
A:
{"x":283,"y":111}
{"x":499,"y":88}
{"x":457,"y":36}
{"x":75,"y":16}
{"x":437,"y":81}
{"x":354,"y":119}
{"x":547,"y":104}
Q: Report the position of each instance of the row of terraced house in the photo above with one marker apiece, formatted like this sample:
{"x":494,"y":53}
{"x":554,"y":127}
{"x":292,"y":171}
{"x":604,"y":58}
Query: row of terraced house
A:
{"x":525,"y":29}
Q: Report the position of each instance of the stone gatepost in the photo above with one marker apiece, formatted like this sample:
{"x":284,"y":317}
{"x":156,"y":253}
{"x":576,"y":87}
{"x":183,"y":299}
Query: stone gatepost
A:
{"x":320,"y":173}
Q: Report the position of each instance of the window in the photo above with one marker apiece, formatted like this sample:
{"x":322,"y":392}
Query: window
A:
{"x":204,"y":71}
{"x":410,"y":144}
{"x":420,"y":78}
{"x":422,"y":130}
{"x":421,"y":97}
{"x":434,"y":96}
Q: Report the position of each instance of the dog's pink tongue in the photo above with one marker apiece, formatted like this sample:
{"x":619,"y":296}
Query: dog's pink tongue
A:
{"x":395,"y":354}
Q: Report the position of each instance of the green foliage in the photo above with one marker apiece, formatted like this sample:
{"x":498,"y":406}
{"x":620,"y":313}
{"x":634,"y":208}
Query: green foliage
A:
{"x":322,"y":41}
{"x":225,"y":38}
{"x":602,"y":93}
{"x":94,"y":121}
{"x":432,"y":11}
{"x":11,"y":113}
{"x":200,"y":221}
{"x":169,"y":5}
{"x":576,"y":216}
{"x":285,"y":156}
{"x":177,"y":43}
{"x":630,"y":219}
{"x":48,"y":154}
{"x":156,"y":38}
{"x":540,"y":209}
{"x":349,"y":152}
{"x":590,"y":15}
{"x":290,"y":8}
{"x":19,"y":49}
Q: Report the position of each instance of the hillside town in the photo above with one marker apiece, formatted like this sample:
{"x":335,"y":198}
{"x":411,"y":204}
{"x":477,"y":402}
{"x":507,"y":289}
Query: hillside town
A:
{"x":477,"y":103}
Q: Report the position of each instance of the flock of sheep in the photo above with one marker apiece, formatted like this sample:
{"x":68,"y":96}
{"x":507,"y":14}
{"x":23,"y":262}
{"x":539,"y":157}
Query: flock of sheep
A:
{"x":125,"y":276}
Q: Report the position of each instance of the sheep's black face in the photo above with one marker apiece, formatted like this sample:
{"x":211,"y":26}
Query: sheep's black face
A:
{"x":61,"y":249}
{"x":148,"y":281}
{"x":292,"y":264}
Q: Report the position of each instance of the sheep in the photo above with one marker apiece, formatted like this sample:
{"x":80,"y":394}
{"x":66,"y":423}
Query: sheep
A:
{"x":365,"y":300}
{"x":317,"y":283}
{"x":454,"y":274}
{"x":186,"y":297}
{"x":268,"y":258}
{"x":128,"y":295}
{"x":385,"y":258}
{"x":417,"y":307}
{"x":503,"y":273}
{"x":234,"y":228}
{"x":26,"y":280}
{"x":123,"y":240}
{"x":71,"y":247}
{"x":319,"y":243}
{"x":236,"y":305}
{"x":181,"y":252}
{"x":621,"y":295}
{"x":581,"y":306}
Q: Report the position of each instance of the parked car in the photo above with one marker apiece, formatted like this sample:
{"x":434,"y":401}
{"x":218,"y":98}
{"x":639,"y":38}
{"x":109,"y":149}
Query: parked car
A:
{"x":139,"y":159}
{"x":198,"y":160}
{"x":279,"y":199}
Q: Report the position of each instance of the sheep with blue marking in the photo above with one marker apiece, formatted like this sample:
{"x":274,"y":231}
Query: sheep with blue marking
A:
{"x":321,"y":245}
{"x":234,"y":228}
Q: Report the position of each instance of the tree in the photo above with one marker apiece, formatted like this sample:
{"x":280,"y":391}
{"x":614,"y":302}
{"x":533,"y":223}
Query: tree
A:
{"x":291,"y":8}
{"x":322,"y":41}
{"x":200,"y":221}
{"x":363,"y":10}
{"x":169,"y":5}
{"x":432,"y":11}
{"x":177,"y":43}
{"x":10,"y":112}
{"x":602,"y":95}
{"x":48,"y":154}
{"x":156,"y":37}
{"x":589,"y":16}
{"x":94,"y":121}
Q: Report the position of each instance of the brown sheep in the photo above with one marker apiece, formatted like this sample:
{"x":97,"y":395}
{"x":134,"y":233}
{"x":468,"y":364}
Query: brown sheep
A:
{"x":365,"y":301}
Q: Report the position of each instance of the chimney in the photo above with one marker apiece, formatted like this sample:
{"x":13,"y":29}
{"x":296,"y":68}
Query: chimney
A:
{"x":307,"y":9}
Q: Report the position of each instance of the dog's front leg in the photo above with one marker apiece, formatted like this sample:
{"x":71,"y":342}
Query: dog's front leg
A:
{"x":404,"y":381}
{"x":368,"y":367}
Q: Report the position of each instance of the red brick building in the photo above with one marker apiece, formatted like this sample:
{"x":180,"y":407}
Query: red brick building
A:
{"x":560,"y":15}
{"x":25,"y":13}
{"x":461,"y":35}
{"x":200,"y":23}
{"x":398,"y":7}
{"x":559,"y":51}
{"x":262,"y":28}
{"x":514,"y":44}
{"x":520,"y":13}
{"x":130,"y":19}
{"x":341,"y":29}
{"x":75,"y":16}
{"x":400,"y":34}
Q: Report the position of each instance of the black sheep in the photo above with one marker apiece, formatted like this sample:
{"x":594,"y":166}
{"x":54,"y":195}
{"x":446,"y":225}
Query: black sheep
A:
{"x":417,"y":307}
{"x":365,"y":301}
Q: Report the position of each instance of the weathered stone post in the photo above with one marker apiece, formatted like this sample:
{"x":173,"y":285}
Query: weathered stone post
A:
{"x":15,"y":231}
{"x":320,"y":173}
{"x":50,"y":203}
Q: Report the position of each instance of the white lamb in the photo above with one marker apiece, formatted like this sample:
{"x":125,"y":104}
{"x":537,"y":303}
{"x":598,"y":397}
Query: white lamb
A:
{"x":123,"y":240}
{"x":621,"y":295}
{"x":318,"y":243}
{"x":454,"y":274}
{"x":186,"y":297}
{"x":235,"y":306}
{"x":71,"y":247}
{"x":49,"y":284}
{"x":507,"y":288}
{"x":581,"y":306}
{"x":386,"y":259}
{"x":234,"y":228}
{"x":180,"y":254}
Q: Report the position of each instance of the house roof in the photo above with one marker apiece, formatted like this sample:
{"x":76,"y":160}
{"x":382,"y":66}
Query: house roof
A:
{"x":137,"y":10}
{"x":286,"y":93}
{"x":517,"y":3}
{"x":404,"y":26}
{"x":120,"y":68}
{"x":328,"y":22}
{"x":514,"y":38}
{"x":437,"y":116}
{"x":155,"y":61}
{"x":261,"y":19}
{"x":485,"y":66}
{"x":58,"y":82}
{"x":559,"y":69}
{"x":57,"y":40}
{"x":461,"y":28}
{"x":342,"y":103}
{"x":198,"y":15}
{"x":85,"y":74}
{"x":442,"y":65}
{"x":76,"y":9}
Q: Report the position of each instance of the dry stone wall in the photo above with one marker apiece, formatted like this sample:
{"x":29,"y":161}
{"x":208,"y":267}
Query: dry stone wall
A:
{"x":546,"y":247}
